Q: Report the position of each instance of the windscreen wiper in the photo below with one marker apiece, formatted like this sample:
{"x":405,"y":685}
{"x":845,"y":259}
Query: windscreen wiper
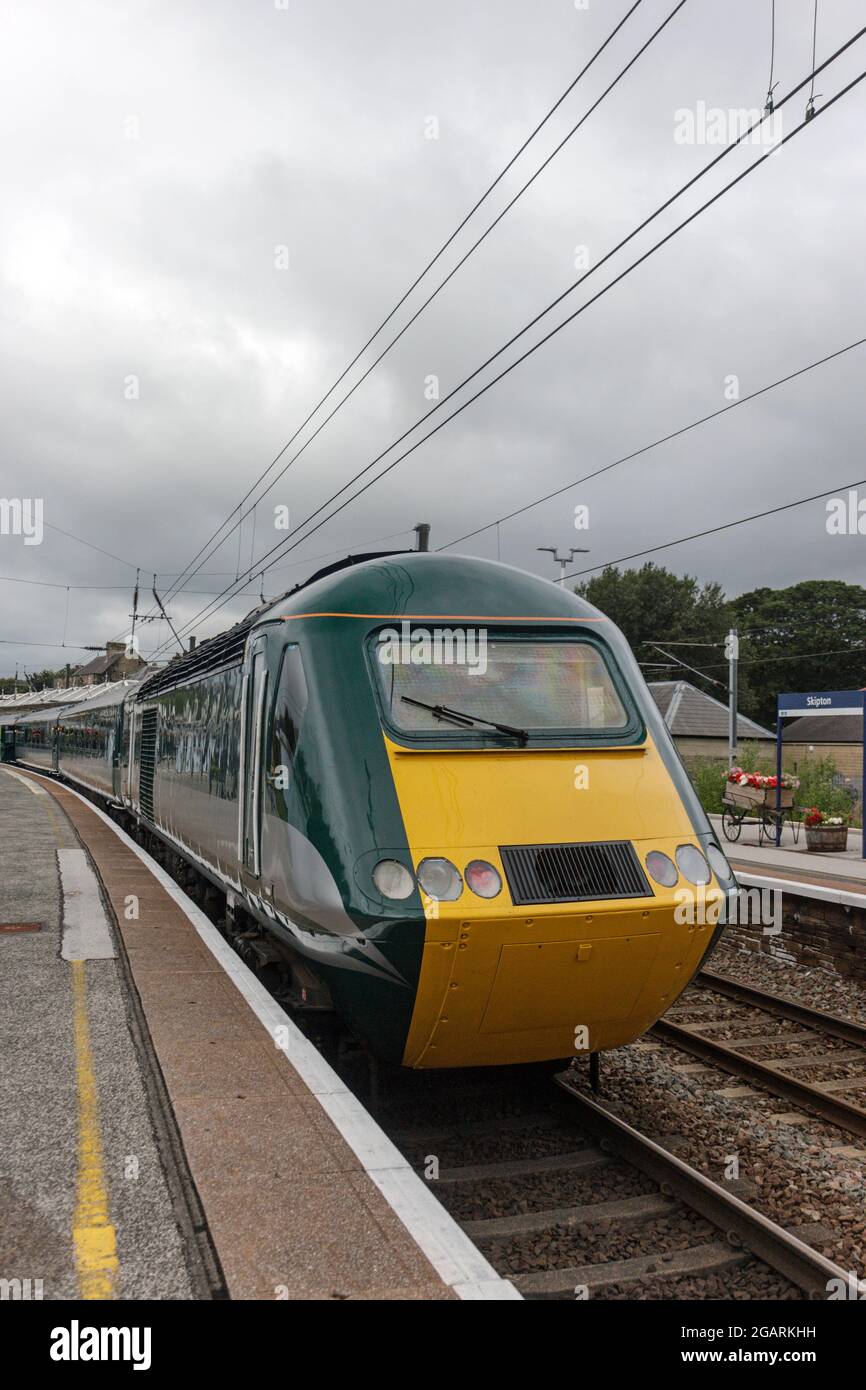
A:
{"x":456,"y":716}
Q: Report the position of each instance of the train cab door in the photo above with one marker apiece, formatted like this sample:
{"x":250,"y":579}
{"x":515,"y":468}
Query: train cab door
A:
{"x":255,"y":712}
{"x":275,"y":701}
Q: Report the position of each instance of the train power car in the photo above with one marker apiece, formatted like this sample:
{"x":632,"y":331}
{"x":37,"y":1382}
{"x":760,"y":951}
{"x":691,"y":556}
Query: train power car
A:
{"x":442,"y":787}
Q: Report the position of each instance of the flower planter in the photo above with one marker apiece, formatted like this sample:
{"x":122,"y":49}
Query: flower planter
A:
{"x":825,"y":839}
{"x":738,"y":795}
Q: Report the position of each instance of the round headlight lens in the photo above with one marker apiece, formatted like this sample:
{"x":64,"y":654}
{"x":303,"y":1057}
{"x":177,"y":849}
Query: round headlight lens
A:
{"x":718,"y":863}
{"x":440,"y":879}
{"x":693,"y":865}
{"x":393,"y":879}
{"x":662,"y":868}
{"x":482,"y":878}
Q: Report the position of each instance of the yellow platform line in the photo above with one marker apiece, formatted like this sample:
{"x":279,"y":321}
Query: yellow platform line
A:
{"x":92,"y":1232}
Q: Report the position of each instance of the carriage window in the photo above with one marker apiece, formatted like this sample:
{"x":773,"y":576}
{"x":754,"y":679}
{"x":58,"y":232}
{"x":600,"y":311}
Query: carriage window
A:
{"x":289,"y":707}
{"x":541,"y":687}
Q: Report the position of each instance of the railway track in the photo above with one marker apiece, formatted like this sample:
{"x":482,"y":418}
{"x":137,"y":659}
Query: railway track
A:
{"x":815,"y":1059}
{"x":570,"y":1202}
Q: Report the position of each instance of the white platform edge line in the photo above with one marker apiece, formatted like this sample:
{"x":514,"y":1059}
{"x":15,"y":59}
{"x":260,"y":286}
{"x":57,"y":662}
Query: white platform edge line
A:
{"x":459,"y":1264}
{"x":37,"y":791}
{"x":85,"y":930}
{"x":799,"y":889}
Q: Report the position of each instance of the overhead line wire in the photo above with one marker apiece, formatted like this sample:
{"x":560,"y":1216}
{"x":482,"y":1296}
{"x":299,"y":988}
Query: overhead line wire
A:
{"x":656,"y":443}
{"x":713,"y":530}
{"x":428,"y":267}
{"x":280,"y":546}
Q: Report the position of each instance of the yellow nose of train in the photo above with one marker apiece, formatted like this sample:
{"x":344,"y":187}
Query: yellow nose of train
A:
{"x":527,"y":976}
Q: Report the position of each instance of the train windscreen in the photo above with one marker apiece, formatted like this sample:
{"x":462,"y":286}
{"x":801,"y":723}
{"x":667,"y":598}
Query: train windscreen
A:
{"x":531,"y":685}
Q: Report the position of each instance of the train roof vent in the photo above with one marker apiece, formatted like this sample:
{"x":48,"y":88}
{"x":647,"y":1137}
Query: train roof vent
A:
{"x":574,"y":873}
{"x":226,"y":649}
{"x":346,"y":563}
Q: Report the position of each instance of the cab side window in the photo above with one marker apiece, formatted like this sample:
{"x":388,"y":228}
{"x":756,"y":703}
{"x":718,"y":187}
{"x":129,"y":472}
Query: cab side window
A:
{"x":289,"y":706}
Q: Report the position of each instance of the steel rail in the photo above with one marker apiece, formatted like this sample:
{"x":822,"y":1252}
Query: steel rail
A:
{"x":828,"y":1107}
{"x":784,"y":1252}
{"x":843,"y":1028}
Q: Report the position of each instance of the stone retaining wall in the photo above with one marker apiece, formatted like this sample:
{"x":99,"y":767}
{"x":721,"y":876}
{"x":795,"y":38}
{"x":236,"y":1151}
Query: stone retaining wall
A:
{"x":813,"y":932}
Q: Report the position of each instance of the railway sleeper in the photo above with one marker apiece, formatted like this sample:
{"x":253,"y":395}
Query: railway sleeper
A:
{"x":579,"y":1161}
{"x":625,"y":1211}
{"x":710,"y":1258}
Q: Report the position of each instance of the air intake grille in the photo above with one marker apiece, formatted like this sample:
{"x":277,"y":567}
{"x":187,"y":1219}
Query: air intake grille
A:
{"x":574,"y":873}
{"x":147,"y":761}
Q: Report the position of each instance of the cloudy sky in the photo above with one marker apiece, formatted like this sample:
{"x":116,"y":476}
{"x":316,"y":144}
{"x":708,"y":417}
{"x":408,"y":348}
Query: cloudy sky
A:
{"x":209,"y":205}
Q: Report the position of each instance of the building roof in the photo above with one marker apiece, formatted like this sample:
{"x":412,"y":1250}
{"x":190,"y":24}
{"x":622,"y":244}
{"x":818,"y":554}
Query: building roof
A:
{"x":689,"y":713}
{"x":25,"y":701}
{"x":824,"y":728}
{"x":98,"y":666}
{"x":101,"y":664}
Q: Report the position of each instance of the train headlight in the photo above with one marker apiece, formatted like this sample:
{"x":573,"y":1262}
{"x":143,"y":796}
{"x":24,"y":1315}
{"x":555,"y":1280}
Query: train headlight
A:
{"x":718,"y":863}
{"x":440,"y":879}
{"x":662,"y":868}
{"x":483,"y":878}
{"x":693,"y":865}
{"x":393,"y":879}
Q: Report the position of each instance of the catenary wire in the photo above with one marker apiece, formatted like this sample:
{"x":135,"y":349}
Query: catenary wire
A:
{"x":281,"y":546}
{"x":428,"y":267}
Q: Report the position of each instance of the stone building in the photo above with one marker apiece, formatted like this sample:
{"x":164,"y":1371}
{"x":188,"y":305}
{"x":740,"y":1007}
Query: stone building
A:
{"x":115,"y":665}
{"x":698,"y":723}
{"x":836,"y":736}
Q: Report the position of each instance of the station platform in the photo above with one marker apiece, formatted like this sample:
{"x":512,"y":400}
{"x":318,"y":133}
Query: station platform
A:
{"x":845,"y":870}
{"x":167,"y":1131}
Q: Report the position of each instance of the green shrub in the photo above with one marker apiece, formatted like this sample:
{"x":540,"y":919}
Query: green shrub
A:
{"x":708,"y":779}
{"x":818,"y":781}
{"x":817,"y":788}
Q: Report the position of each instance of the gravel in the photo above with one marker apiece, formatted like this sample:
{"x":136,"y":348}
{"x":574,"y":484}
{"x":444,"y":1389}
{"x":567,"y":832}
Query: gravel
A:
{"x":747,"y":1282}
{"x":450,"y":1106}
{"x":563,"y":1247}
{"x":810,"y":985}
{"x":514,"y":1196}
{"x":797,"y":1177}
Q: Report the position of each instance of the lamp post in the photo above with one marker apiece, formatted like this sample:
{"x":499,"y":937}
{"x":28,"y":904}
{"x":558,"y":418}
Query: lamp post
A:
{"x":563,"y":560}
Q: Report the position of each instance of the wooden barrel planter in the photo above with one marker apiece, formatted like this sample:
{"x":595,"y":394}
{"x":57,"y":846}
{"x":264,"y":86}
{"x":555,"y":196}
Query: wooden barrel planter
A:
{"x":826,"y":839}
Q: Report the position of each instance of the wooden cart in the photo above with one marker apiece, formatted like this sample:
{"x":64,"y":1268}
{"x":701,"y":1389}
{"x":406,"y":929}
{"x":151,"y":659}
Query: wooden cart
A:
{"x":742,"y":801}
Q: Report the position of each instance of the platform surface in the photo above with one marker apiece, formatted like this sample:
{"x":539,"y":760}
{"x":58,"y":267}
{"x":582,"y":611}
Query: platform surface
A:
{"x":846,"y":868}
{"x":47,"y":1069}
{"x":290,"y":1209}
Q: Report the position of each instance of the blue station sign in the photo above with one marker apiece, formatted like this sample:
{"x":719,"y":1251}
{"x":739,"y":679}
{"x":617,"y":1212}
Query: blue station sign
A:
{"x":821,"y":702}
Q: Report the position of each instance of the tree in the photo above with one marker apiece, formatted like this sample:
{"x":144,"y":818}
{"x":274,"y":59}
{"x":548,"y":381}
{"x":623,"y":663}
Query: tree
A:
{"x":811,"y":636}
{"x":34,"y":680}
{"x":654,"y":606}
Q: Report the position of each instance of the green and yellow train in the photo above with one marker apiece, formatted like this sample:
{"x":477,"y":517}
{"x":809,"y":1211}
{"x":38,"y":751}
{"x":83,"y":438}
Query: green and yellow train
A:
{"x":442,"y":787}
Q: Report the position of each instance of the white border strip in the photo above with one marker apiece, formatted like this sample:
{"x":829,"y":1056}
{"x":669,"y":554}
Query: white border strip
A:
{"x":37,"y":791}
{"x":800,"y":889}
{"x":452,"y":1254}
{"x":86,"y":932}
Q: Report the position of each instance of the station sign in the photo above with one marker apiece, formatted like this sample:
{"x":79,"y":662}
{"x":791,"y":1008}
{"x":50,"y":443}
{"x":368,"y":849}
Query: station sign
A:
{"x":821,"y":702}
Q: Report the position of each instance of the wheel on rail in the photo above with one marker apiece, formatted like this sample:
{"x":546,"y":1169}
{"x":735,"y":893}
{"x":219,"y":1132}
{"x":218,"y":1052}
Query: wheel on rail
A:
{"x":731,"y":825}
